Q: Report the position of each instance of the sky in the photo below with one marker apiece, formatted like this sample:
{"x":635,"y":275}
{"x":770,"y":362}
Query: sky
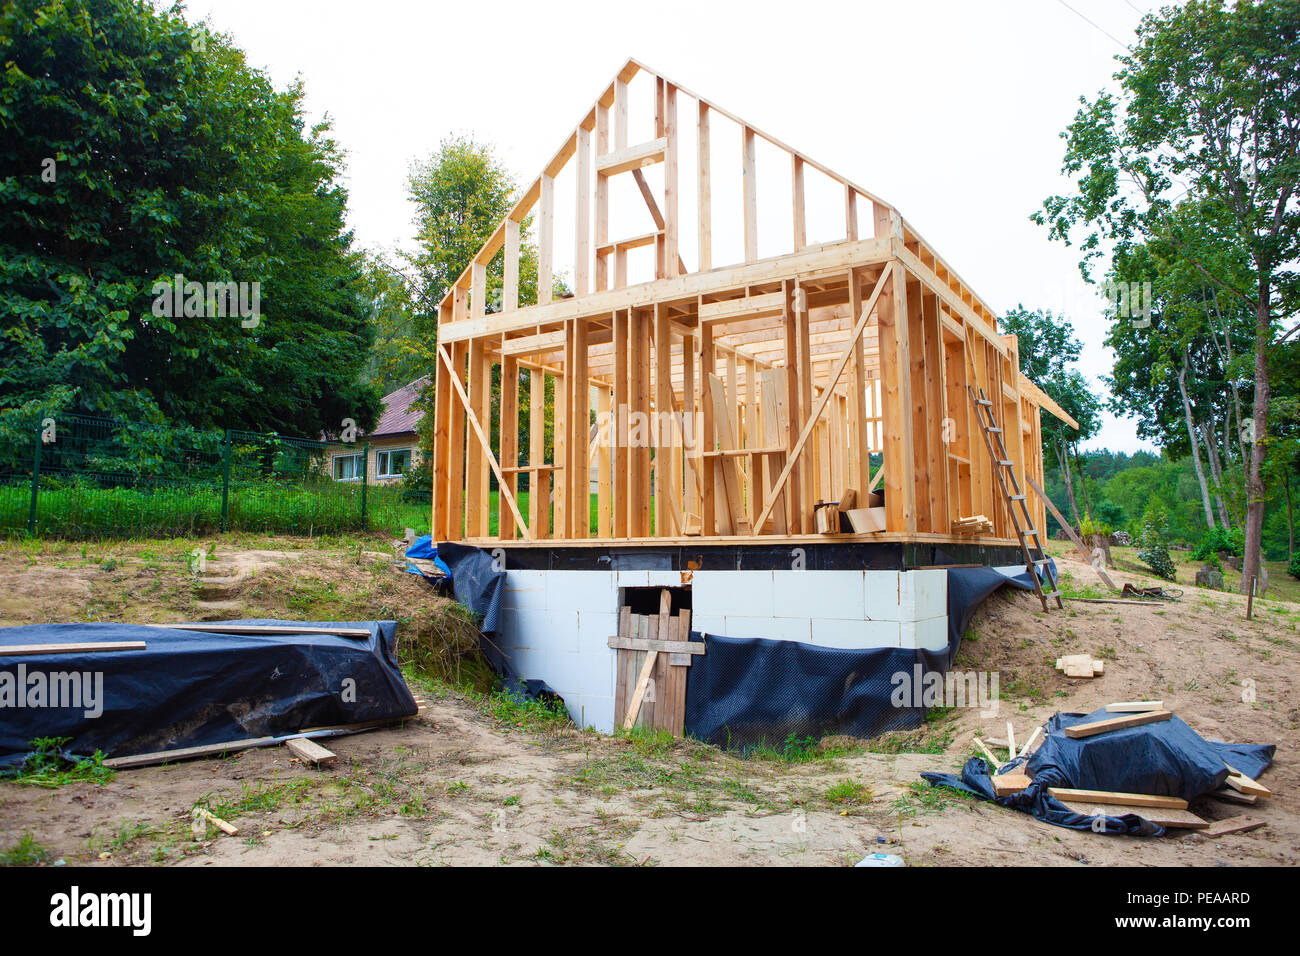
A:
{"x":951,"y":111}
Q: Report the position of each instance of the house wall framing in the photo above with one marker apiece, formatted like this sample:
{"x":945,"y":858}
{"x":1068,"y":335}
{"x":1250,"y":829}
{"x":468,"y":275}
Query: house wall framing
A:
{"x":727,"y":402}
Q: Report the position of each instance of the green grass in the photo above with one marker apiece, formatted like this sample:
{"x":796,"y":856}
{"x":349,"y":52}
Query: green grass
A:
{"x":521,"y":498}
{"x":46,"y":767}
{"x":193,"y":508}
{"x":26,"y":852}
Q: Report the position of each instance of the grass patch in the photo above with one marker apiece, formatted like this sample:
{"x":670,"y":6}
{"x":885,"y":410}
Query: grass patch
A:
{"x":26,"y":852}
{"x":48,"y":766}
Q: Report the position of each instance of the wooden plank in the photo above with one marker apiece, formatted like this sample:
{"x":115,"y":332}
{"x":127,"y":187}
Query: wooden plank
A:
{"x":642,"y":681}
{"x":1011,"y":741}
{"x":80,"y":647}
{"x":1078,"y":543}
{"x":1135,"y":706}
{"x":209,"y":817}
{"x":1162,"y":816}
{"x":309,"y":751}
{"x":988,"y":754}
{"x":1110,"y":796}
{"x":546,"y":241}
{"x":1116,"y":723}
{"x":217,"y":627}
{"x":798,"y":202}
{"x":1008,"y":783}
{"x":637,"y":644}
{"x":738,"y":519}
{"x":895,"y":375}
{"x":539,"y":479}
{"x":1038,"y":732}
{"x":1239,"y":824}
{"x":1243,"y":784}
{"x":749,"y":172}
{"x":1232,"y":796}
{"x":633,"y":157}
{"x":235,"y":746}
{"x":704,"y":189}
{"x":509,"y":441}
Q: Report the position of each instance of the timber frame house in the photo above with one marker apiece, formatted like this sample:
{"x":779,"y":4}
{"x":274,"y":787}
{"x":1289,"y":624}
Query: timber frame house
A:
{"x":768,"y":383}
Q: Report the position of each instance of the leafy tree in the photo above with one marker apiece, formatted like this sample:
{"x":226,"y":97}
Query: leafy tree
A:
{"x":461,"y":194}
{"x":1209,"y":105}
{"x":134,"y":149}
{"x":1153,"y":541}
{"x":1048,"y":353}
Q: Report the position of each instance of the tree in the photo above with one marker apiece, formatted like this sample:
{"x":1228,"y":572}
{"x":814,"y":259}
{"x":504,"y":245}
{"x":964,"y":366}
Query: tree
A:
{"x":461,"y":194}
{"x":133,"y":149}
{"x":1209,"y":105}
{"x":1048,"y":353}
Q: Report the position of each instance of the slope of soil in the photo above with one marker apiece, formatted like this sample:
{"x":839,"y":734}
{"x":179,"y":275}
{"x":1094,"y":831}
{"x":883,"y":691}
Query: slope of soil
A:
{"x":478,"y":780}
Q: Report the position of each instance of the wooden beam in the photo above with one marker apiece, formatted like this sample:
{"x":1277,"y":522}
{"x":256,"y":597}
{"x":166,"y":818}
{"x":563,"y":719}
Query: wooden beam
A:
{"x":79,"y":647}
{"x":632,"y":157}
{"x":704,"y":190}
{"x":1116,"y":723}
{"x":748,"y":166}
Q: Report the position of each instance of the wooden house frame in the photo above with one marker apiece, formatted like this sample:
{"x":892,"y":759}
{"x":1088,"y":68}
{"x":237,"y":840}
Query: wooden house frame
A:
{"x":721,"y":403}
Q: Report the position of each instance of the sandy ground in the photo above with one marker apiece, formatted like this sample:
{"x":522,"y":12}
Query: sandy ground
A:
{"x":469,"y":784}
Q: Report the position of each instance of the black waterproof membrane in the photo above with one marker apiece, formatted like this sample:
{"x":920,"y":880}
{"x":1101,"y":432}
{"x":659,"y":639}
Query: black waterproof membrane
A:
{"x":192,"y":688}
{"x":1166,"y":758}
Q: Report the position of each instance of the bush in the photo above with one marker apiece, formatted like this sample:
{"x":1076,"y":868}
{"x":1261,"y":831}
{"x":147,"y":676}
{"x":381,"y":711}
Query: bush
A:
{"x":1293,"y":568}
{"x":1153,"y":541}
{"x":1219,"y":540}
{"x":1088,"y":527}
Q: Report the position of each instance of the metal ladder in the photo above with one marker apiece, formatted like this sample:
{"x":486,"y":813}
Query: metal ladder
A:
{"x":1004,"y":467}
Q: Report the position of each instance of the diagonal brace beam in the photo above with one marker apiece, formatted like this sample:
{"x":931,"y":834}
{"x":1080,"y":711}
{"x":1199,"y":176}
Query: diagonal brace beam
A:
{"x":502,"y":487}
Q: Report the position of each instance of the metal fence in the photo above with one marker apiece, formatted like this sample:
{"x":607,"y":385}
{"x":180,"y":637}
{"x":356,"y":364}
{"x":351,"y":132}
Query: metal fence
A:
{"x":75,"y":476}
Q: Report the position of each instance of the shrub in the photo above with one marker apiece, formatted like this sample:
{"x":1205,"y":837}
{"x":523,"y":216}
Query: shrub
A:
{"x":1293,"y":568}
{"x":1219,"y":540}
{"x":1153,"y":541}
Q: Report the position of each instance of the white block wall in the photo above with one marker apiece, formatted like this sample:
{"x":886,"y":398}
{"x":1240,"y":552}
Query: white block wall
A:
{"x":850,"y":609}
{"x":556,"y":624}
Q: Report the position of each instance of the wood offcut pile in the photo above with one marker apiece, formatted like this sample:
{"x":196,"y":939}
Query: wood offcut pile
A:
{"x":1163,"y":810}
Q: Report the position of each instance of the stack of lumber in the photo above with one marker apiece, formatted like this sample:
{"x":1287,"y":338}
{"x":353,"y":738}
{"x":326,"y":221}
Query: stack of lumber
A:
{"x":1080,"y":665}
{"x":975,"y":524}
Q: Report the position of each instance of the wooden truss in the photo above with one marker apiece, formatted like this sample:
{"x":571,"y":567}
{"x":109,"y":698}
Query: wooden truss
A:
{"x":733,"y":400}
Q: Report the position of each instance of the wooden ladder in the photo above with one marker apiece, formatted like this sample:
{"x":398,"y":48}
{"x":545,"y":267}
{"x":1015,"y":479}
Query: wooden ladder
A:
{"x":1004,"y":468}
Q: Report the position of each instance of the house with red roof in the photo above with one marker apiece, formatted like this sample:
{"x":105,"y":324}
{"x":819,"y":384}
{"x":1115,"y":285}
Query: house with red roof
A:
{"x":394,"y":449}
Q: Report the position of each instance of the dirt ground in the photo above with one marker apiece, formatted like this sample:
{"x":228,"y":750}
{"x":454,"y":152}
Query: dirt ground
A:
{"x":478,"y":781}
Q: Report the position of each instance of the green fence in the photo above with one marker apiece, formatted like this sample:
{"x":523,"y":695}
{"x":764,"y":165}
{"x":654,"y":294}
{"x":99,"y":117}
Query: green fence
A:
{"x":75,"y":476}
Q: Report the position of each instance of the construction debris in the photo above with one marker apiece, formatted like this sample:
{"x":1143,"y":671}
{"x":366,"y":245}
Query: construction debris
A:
{"x":1081,"y":665}
{"x":227,"y":828}
{"x":1122,"y":774}
{"x":310,"y":752}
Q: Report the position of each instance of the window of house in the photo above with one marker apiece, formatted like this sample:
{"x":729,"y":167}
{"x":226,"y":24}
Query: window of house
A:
{"x":347,"y":467}
{"x":394,"y":463}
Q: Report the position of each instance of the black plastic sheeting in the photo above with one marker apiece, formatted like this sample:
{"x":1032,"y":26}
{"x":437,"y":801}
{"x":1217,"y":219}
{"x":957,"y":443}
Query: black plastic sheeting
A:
{"x":1166,"y":758}
{"x":969,"y":587}
{"x":754,"y":692}
{"x":748,"y":692}
{"x":193,"y":688}
{"x":479,"y":583}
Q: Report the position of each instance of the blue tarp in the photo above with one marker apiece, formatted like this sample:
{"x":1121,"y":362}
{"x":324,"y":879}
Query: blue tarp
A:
{"x":424,"y":549}
{"x":1166,"y":758}
{"x":192,"y":688}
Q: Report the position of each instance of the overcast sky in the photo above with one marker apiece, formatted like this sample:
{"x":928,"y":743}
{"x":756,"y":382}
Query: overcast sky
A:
{"x":949,"y":110}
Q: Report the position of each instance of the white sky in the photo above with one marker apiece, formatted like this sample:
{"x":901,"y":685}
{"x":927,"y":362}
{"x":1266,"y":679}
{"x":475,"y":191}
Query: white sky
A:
{"x":949,"y":110}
